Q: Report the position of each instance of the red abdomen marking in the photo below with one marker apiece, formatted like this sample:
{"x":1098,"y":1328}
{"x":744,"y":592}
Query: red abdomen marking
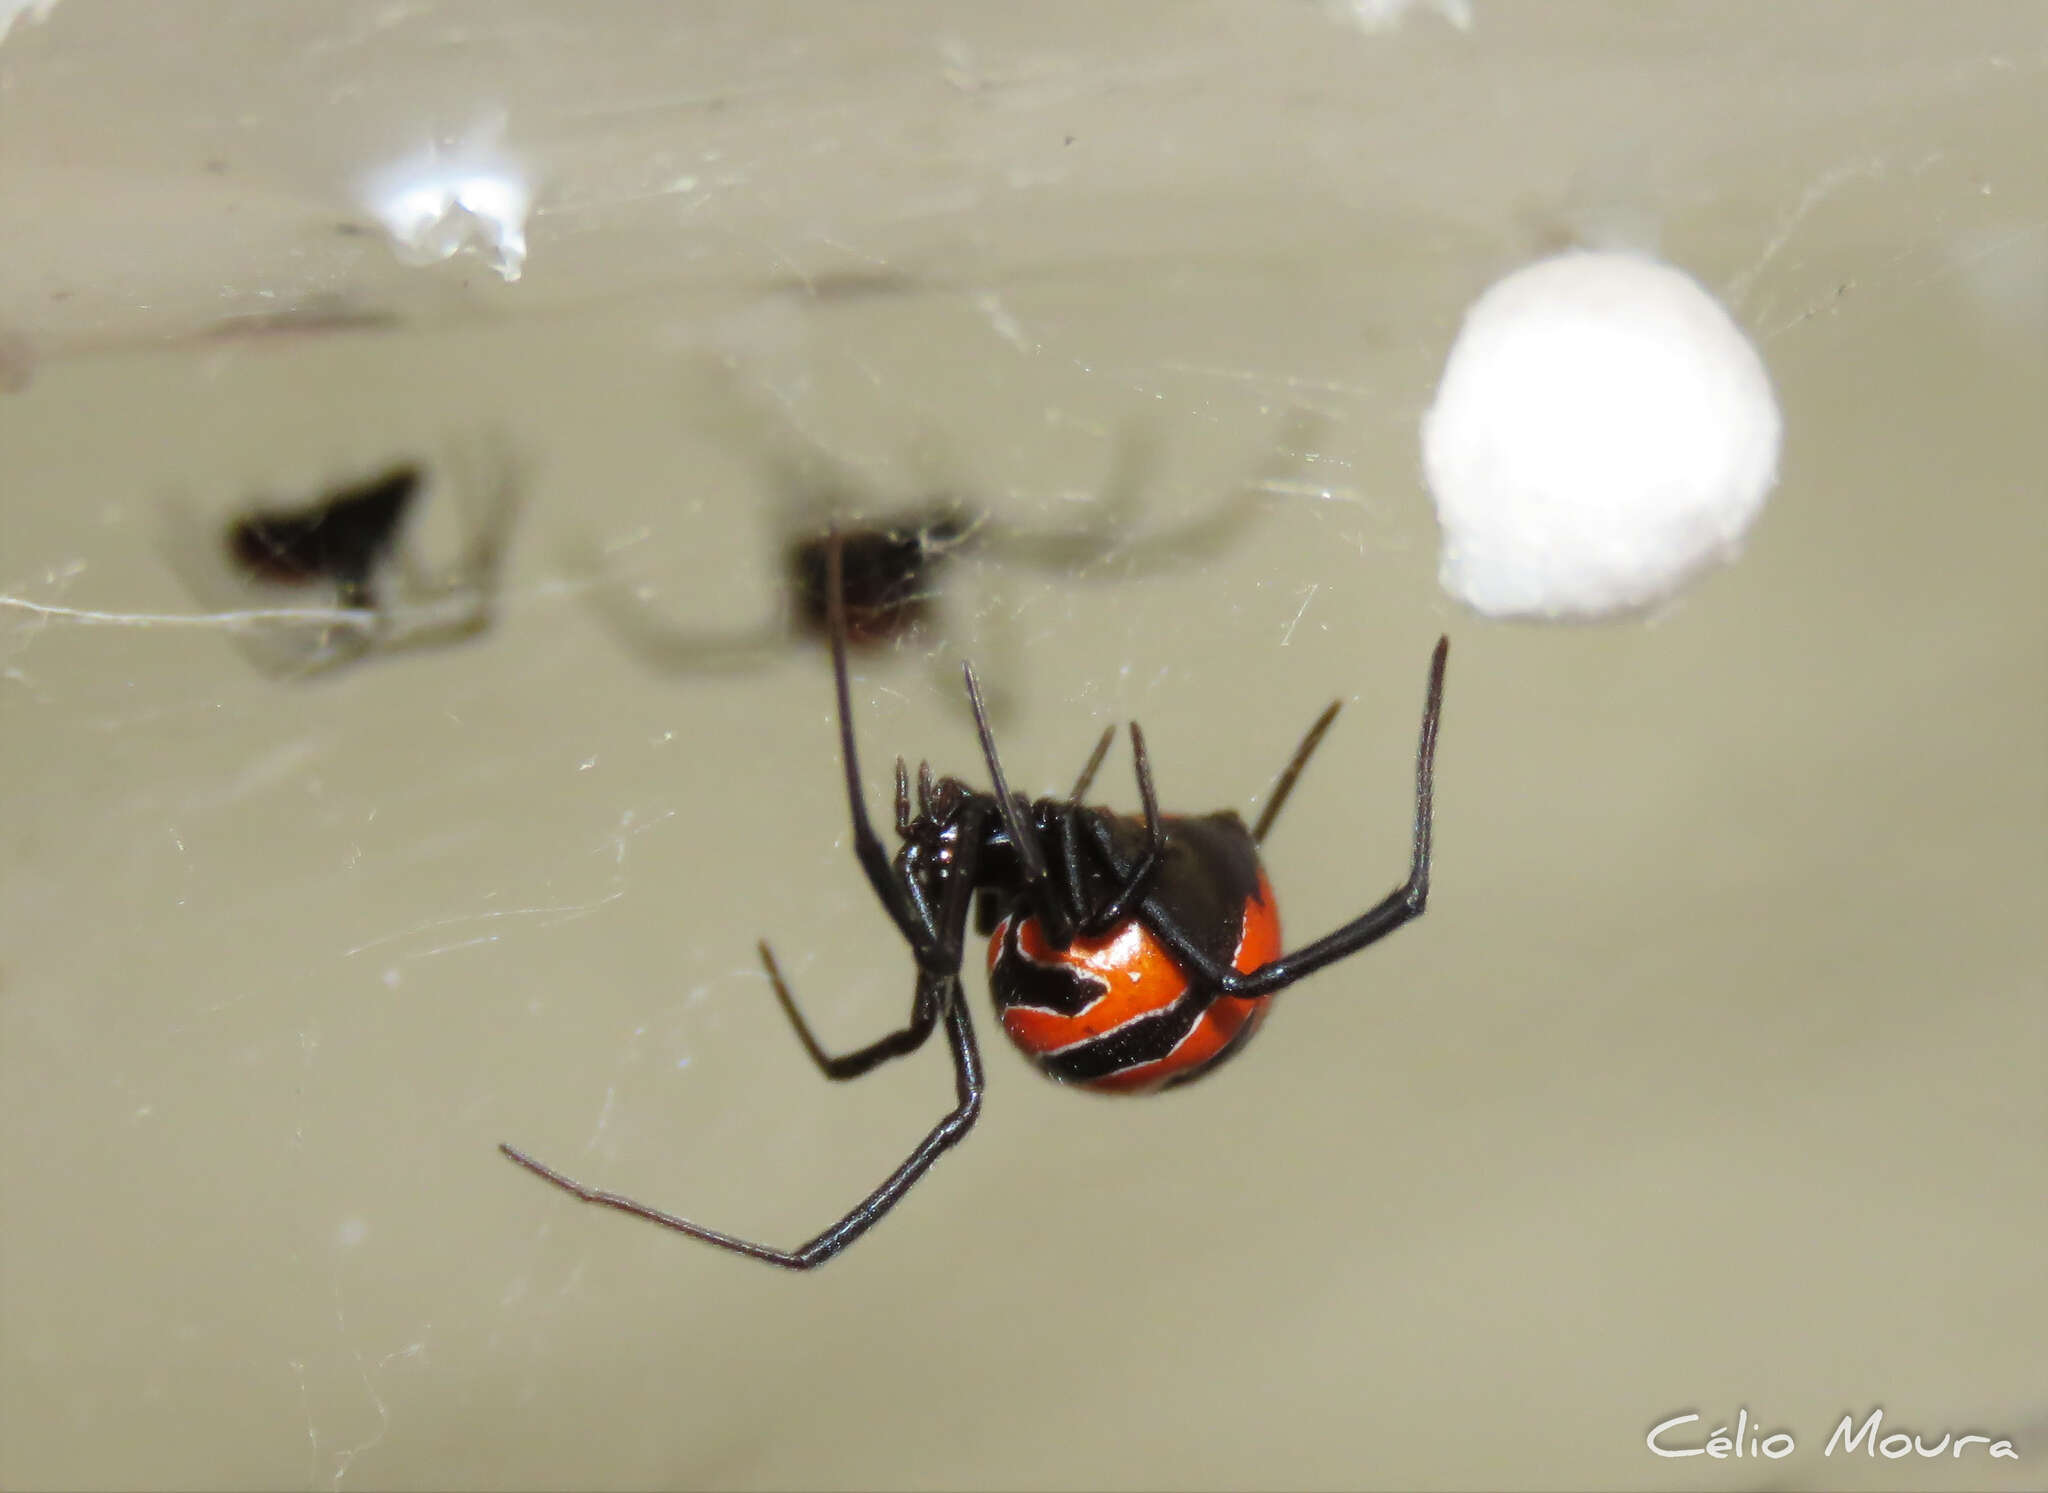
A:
{"x":1109,"y":1013}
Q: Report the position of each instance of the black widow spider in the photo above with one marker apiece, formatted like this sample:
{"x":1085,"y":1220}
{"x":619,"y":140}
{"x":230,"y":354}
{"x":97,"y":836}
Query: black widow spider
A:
{"x":1129,"y":954}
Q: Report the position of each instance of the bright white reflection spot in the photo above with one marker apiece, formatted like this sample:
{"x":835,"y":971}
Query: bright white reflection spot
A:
{"x":465,"y":193}
{"x":392,"y":977}
{"x":1387,"y":15}
{"x":353,"y":1231}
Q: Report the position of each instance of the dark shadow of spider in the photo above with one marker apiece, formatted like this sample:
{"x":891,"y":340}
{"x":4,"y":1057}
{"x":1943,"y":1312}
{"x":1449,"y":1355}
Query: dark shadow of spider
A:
{"x":898,"y":555}
{"x":353,"y":547}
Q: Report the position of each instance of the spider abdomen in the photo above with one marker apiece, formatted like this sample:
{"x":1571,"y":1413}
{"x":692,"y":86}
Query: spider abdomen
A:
{"x":1117,"y":1013}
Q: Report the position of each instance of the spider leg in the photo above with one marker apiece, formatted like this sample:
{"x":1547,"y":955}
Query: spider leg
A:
{"x":1070,"y":847}
{"x":1118,"y":907}
{"x":1291,"y":774}
{"x":936,"y":936}
{"x":967,"y":1085}
{"x":1057,"y":919}
{"x":1399,"y":906}
{"x":1094,"y":761}
{"x":1101,"y":920}
{"x":867,"y":845}
{"x":1070,"y":862}
{"x":951,"y":919}
{"x":924,"y":1015}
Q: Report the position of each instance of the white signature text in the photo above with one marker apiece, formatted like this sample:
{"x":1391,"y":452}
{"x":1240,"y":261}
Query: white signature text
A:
{"x":1748,"y":1438}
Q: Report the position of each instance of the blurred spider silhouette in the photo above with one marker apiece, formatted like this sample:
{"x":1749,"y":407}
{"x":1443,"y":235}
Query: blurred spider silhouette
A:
{"x":355,"y":540}
{"x":897,"y":554}
{"x":344,"y":538}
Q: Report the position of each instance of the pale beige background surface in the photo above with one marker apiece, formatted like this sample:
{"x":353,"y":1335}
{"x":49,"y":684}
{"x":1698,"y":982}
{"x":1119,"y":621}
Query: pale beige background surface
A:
{"x":1713,"y":1078}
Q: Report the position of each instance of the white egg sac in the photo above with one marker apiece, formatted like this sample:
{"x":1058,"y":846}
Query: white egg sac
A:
{"x":1603,"y":432}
